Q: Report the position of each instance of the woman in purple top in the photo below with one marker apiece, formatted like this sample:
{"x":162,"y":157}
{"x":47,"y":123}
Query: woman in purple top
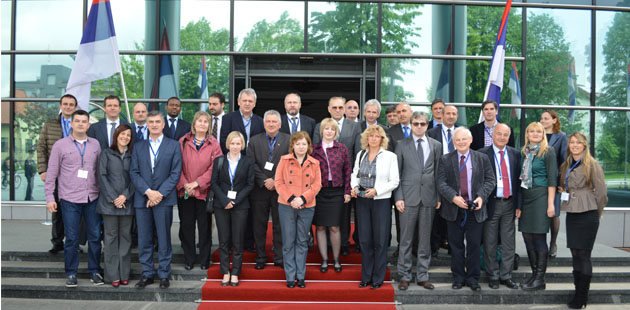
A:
{"x":334,"y":162}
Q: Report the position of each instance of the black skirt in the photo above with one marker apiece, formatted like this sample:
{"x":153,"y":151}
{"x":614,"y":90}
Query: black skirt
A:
{"x":329,"y":208}
{"x":582,"y":229}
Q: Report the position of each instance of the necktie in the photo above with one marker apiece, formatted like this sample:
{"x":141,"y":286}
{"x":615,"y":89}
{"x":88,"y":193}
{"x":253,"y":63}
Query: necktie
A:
{"x":139,"y":135}
{"x":463,"y":178}
{"x":420,"y":154}
{"x":505,"y":177}
{"x":214,"y":127}
{"x":111,"y":133}
{"x":172,"y":128}
{"x":406,"y":131}
{"x":449,"y":139}
{"x":66,"y":127}
{"x":294,"y":125}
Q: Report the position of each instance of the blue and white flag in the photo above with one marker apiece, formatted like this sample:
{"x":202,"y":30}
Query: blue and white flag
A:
{"x":515,"y":87}
{"x":202,"y":82}
{"x":572,"y":81}
{"x":97,"y":56}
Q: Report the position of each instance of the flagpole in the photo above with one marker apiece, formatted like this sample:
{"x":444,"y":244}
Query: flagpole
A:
{"x":122,"y":82}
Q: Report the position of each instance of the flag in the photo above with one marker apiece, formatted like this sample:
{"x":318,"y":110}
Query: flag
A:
{"x":495,"y":77}
{"x":442,"y":89}
{"x":97,"y":56}
{"x":515,"y":87}
{"x":166,"y":75}
{"x":202,"y":82}
{"x":572,"y":81}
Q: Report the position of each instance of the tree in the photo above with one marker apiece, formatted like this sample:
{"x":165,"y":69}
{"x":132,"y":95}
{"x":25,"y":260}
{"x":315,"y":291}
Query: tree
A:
{"x":284,"y":35}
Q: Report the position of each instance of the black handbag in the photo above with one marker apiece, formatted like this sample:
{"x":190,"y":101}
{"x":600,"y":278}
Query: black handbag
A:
{"x":210,"y":197}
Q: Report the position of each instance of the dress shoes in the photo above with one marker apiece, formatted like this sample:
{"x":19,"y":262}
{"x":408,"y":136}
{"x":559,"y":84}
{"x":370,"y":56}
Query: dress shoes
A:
{"x":426,"y":284}
{"x":188,"y":266}
{"x":204,"y":267}
{"x":363,"y":284}
{"x":234,"y":283}
{"x":116,"y":283}
{"x":144,"y":282}
{"x":345,"y":251}
{"x":376,"y":286}
{"x":260,"y":266}
{"x":493,"y":284}
{"x":301,"y":283}
{"x":164,"y":283}
{"x":225,"y":283}
{"x":56,"y":249}
{"x":475,"y":287}
{"x":279,"y":264}
{"x":509,"y":283}
{"x":124,"y":282}
{"x":457,"y":285}
{"x":403,"y":285}
{"x":290,"y":284}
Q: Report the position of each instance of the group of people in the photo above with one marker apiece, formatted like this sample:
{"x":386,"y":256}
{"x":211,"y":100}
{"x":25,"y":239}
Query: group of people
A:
{"x":447,"y":184}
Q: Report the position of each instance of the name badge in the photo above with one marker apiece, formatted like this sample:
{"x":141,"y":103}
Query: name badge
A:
{"x":269,"y":166}
{"x":564,"y":196}
{"x":231,"y":194}
{"x":83,"y":174}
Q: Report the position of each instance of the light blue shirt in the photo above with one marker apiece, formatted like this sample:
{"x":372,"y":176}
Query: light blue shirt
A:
{"x":154,"y":149}
{"x":497,"y":161}
{"x":247,"y":123}
{"x":144,"y":129}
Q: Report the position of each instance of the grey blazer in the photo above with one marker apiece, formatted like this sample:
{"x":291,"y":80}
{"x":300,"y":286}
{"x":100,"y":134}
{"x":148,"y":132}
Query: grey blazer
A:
{"x":258,"y":151}
{"x":350,"y":136}
{"x":113,"y":178}
{"x":417,"y":186}
{"x":483,"y":183}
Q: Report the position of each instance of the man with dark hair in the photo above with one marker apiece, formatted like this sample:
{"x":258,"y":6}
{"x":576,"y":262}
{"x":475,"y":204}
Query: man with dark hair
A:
{"x":482,"y":132}
{"x":103,"y":131}
{"x":294,"y":121}
{"x":53,"y":130}
{"x":175,"y":127}
{"x":29,"y":172}
{"x":72,"y":169}
{"x":392,"y":117}
{"x":437,"y":110}
{"x":216,"y":106}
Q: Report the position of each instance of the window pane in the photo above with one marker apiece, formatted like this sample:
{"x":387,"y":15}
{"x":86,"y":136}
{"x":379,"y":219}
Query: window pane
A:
{"x":6,"y":71}
{"x":279,"y":26}
{"x":129,"y":23}
{"x":5,"y":149}
{"x":201,"y":31}
{"x":6,"y":24}
{"x":406,"y":80}
{"x":483,"y":27}
{"x":32,"y":72}
{"x":40,"y":23}
{"x":613,"y":3}
{"x":342,"y":27}
{"x":407,"y":28}
{"x":218,"y":74}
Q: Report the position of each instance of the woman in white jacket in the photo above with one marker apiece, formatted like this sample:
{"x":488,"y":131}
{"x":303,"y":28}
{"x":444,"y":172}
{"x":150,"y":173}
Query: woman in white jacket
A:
{"x":374,"y":177}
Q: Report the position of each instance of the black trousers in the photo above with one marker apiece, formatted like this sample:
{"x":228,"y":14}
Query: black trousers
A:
{"x":57,"y":224}
{"x":262,"y":202}
{"x":375,"y":224}
{"x":193,"y":211}
{"x":465,"y":261}
{"x":231,"y":227}
{"x":439,"y":232}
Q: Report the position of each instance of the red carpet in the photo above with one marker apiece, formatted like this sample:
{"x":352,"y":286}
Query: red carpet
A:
{"x":266,"y":289}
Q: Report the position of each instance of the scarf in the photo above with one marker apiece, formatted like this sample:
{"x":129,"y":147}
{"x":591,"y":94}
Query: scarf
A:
{"x":526,"y":173}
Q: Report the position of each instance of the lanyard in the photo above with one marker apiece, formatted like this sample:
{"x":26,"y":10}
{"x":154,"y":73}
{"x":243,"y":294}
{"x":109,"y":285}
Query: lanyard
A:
{"x":232,"y":172}
{"x":566,"y":178}
{"x":488,"y":131}
{"x":155,"y":153}
{"x":248,"y":121}
{"x":499,"y":162}
{"x":82,"y":153}
{"x":271,"y":145}
{"x":464,"y":165}
{"x":200,"y":144}
{"x":65,"y":127}
{"x":448,"y":141}
{"x":294,"y":125}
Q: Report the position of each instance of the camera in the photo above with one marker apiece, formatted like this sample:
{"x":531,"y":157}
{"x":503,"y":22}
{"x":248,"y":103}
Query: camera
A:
{"x":471,"y":205}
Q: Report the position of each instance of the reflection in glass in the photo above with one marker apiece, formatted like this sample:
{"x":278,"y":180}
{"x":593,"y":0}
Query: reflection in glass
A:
{"x":218,"y":69}
{"x":611,"y":151}
{"x":4,"y":148}
{"x":482,"y":34}
{"x":6,"y":24}
{"x":406,"y":28}
{"x":406,"y":80}
{"x":32,"y":73}
{"x":129,"y":23}
{"x":278,"y":28}
{"x":201,"y":31}
{"x":343,"y":27}
{"x":40,"y":23}
{"x":6,"y":72}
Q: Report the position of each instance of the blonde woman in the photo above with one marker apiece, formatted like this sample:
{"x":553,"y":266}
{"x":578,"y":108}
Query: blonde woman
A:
{"x":583,"y":196}
{"x":539,"y":176}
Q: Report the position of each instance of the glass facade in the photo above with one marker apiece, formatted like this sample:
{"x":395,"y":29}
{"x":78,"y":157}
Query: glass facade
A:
{"x":391,"y":51}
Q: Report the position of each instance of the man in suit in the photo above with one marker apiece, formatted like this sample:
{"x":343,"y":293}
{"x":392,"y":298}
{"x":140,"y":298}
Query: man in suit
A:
{"x":392,"y":117}
{"x":417,"y":199}
{"x":482,"y":132}
{"x":139,"y":125}
{"x":371,"y":113}
{"x":437,"y":110}
{"x":103,"y":131}
{"x":216,"y":104}
{"x":351,"y":109}
{"x":403,"y":128}
{"x":245,"y":121}
{"x":265,"y":149}
{"x":350,"y":136}
{"x":293,"y":121}
{"x":156,"y":165}
{"x":504,"y":203}
{"x":175,"y":127}
{"x":465,"y":181}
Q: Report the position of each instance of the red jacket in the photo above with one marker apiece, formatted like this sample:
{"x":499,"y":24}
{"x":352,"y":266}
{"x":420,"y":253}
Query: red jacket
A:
{"x":197,"y":165}
{"x":294,"y":180}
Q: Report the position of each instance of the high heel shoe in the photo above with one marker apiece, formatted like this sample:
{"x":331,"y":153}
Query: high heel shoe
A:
{"x":223,"y":283}
{"x":337,"y":269}
{"x":234,"y":283}
{"x":323,"y":268}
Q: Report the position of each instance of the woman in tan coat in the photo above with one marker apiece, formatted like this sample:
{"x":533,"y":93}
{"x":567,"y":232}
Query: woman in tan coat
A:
{"x":583,"y":197}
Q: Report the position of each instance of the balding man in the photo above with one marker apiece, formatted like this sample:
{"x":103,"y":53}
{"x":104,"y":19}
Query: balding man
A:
{"x":465,"y":180}
{"x":294,"y":121}
{"x":444,"y":132}
{"x":403,"y":128}
{"x":352,"y":110}
{"x":139,"y":125}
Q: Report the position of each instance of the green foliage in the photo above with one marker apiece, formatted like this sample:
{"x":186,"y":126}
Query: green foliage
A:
{"x":607,"y":149}
{"x":284,"y":35}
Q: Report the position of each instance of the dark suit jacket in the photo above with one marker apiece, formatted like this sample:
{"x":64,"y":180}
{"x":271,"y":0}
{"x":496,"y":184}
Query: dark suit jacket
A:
{"x":306,"y":124}
{"x":560,"y":143}
{"x":350,"y":136}
{"x":514,"y":157}
{"x":134,"y":132}
{"x":243,"y":182}
{"x":436,"y":132}
{"x":234,"y":122}
{"x":165,"y":176}
{"x":478,"y":132}
{"x":396,"y":134}
{"x":483,"y":182}
{"x":183,"y":127}
{"x":258,"y":151}
{"x":98,"y":131}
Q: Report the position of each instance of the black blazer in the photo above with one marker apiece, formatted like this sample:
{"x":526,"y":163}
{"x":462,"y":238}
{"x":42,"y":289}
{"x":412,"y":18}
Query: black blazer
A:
{"x":234,"y":122}
{"x":306,"y":124}
{"x":436,"y":133}
{"x":183,"y":127}
{"x":98,"y":131}
{"x":258,"y":150}
{"x":395,"y":133}
{"x":483,"y":182}
{"x":514,"y":157}
{"x":243,"y":182}
{"x":477,"y":132}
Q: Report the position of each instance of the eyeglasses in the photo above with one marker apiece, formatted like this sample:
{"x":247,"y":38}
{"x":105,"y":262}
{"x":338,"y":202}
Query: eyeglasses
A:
{"x":416,"y":124}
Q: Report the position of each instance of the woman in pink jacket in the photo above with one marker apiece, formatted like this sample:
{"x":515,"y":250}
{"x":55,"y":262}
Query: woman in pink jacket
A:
{"x":199,"y":149}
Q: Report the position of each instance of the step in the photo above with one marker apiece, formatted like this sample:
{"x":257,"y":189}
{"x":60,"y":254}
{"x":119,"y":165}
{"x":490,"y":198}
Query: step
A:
{"x":178,"y":256}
